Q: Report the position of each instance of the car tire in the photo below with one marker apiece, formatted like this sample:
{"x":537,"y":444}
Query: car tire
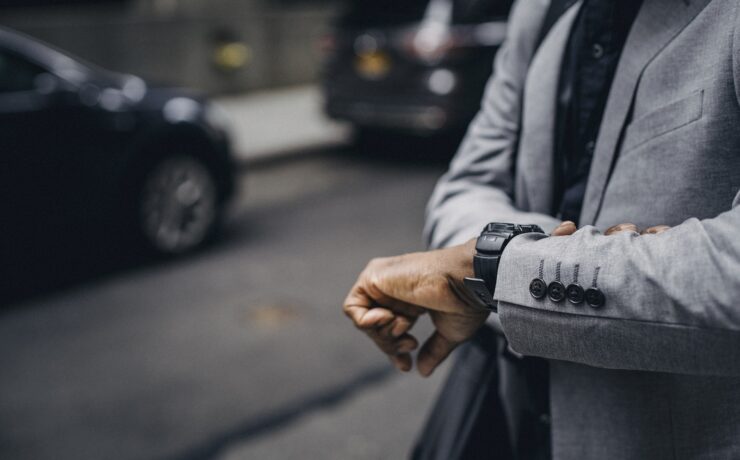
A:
{"x":177,"y":207}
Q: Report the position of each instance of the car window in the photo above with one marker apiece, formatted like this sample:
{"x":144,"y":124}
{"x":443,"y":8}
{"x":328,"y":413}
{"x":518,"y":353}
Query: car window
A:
{"x":479,"y":11}
{"x":16,"y":73}
{"x":379,"y":13}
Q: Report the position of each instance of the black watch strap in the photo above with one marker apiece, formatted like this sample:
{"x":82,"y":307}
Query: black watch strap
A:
{"x":486,"y":269}
{"x":478,"y":288}
{"x":489,"y":247}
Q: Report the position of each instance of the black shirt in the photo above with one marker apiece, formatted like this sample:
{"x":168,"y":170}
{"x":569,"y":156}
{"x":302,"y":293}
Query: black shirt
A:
{"x":590,"y":61}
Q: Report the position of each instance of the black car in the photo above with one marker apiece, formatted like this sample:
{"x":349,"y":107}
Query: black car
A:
{"x":417,"y":66}
{"x":88,"y":153}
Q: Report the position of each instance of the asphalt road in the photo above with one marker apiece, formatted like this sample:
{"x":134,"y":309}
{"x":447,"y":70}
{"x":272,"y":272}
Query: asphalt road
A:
{"x":238,"y":352}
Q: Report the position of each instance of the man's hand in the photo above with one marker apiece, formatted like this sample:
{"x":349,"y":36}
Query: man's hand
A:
{"x":391,"y":293}
{"x":569,"y":228}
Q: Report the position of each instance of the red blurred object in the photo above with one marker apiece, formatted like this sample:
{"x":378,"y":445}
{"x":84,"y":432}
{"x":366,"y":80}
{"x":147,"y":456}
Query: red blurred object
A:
{"x":417,"y":66}
{"x":327,"y":43}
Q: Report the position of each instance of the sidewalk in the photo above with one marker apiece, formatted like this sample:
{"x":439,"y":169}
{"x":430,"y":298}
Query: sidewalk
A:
{"x":274,"y":123}
{"x":382,"y":422}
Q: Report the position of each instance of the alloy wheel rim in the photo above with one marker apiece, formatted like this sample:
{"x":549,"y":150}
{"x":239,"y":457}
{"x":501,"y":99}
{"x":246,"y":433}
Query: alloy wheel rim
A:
{"x":178,"y":205}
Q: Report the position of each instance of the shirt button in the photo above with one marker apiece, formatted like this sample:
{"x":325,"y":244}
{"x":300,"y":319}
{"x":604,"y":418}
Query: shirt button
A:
{"x":595,"y":298}
{"x":575,"y":294}
{"x":538,"y":288}
{"x":556,"y":291}
{"x":597,"y":51}
{"x":590,"y":147}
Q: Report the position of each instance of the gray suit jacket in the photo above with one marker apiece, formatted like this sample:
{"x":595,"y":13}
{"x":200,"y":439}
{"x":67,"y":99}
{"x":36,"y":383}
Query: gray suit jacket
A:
{"x":655,"y":373}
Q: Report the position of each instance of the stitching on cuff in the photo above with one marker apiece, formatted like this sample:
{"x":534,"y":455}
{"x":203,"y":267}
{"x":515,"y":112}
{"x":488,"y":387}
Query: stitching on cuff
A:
{"x":595,"y":282}
{"x":576,"y":269}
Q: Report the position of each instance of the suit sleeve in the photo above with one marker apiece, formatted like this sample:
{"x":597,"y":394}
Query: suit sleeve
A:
{"x":672,"y":300}
{"x":478,"y":187}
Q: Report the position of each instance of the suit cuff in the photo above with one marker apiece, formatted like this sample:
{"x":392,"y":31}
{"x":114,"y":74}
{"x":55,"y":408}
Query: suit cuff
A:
{"x":618,"y":335}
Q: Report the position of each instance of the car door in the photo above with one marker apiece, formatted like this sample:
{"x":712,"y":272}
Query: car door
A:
{"x":35,"y":156}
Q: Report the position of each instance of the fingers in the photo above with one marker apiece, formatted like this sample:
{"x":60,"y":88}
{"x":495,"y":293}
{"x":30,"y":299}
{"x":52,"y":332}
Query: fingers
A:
{"x":387,"y":328}
{"x":382,"y":325}
{"x":397,"y":349}
{"x":389,"y":332}
{"x":363,"y":308}
{"x":655,"y":230}
{"x":392,"y":346}
{"x":368,"y":318}
{"x":402,"y":362}
{"x":626,"y":228}
{"x":400,"y":325}
{"x":564,"y":229}
{"x":622,"y":228}
{"x":568,"y":228}
{"x":434,"y":351}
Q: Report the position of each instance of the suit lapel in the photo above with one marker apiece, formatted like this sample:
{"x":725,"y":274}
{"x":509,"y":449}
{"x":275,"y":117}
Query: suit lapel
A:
{"x":538,"y":117}
{"x":657,"y":23}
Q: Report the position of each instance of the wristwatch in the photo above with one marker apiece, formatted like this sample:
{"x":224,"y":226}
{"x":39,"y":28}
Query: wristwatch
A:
{"x":488,"y":249}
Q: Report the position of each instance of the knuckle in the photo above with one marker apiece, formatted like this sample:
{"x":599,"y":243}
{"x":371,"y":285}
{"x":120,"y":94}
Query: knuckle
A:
{"x":375,"y":262}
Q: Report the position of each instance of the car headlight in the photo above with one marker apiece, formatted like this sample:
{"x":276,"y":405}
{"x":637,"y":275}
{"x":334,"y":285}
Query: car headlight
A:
{"x":217,"y":117}
{"x":442,"y":82}
{"x":181,"y":109}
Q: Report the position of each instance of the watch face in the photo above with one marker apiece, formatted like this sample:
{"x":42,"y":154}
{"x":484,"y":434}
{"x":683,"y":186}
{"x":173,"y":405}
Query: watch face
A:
{"x":496,"y":234}
{"x":498,"y":227}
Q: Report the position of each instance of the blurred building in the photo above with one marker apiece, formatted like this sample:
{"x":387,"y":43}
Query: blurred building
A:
{"x":214,"y":45}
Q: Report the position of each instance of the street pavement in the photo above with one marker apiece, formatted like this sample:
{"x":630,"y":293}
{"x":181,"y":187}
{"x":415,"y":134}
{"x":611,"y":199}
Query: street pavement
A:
{"x":238,"y":352}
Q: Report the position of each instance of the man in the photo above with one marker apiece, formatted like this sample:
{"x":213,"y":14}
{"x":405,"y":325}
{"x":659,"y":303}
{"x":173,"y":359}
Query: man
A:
{"x":641,"y":332}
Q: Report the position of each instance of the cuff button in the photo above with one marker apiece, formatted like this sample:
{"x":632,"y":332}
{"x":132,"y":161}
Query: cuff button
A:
{"x":538,"y":288}
{"x":595,"y":298}
{"x":556,"y":291}
{"x":575,"y":294}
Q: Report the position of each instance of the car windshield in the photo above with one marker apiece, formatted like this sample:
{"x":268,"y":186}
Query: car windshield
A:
{"x":374,"y":13}
{"x":380,"y":13}
{"x":478,"y":11}
{"x":71,"y":68}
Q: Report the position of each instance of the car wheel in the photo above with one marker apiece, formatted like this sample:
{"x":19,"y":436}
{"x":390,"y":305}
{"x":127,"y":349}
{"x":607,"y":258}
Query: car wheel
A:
{"x":178,"y":205}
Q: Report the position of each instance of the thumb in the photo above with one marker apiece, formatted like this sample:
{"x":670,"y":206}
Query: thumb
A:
{"x":434,"y":351}
{"x":565,"y":229}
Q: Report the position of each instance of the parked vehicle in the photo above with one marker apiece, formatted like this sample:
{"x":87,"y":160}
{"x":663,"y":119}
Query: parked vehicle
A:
{"x":87,"y":152}
{"x":417,"y":66}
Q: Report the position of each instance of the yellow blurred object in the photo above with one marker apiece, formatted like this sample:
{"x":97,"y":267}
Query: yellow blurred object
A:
{"x":232,"y":56}
{"x":373,"y":65}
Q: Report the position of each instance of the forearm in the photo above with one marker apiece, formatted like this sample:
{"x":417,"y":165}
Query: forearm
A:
{"x":671,"y":299}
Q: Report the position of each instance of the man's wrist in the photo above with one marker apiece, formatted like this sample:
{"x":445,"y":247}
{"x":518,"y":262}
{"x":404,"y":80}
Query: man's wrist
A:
{"x":468,"y":254}
{"x":486,"y":257}
{"x":474,"y":287}
{"x":459,"y":261}
{"x":460,"y":269}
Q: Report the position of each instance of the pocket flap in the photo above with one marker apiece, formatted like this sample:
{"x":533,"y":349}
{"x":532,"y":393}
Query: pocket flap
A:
{"x":664,"y":119}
